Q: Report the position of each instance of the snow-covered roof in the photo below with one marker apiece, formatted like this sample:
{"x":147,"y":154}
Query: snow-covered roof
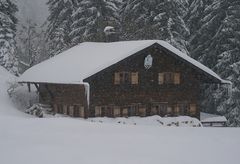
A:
{"x":206,"y":117}
{"x":86,"y":59}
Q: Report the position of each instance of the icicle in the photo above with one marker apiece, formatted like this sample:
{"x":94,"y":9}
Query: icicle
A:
{"x":87,"y":92}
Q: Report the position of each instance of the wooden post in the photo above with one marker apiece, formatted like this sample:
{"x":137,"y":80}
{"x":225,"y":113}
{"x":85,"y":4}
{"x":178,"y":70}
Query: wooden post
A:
{"x":49,"y":91}
{"x":29,"y":87}
{"x":40,"y":94}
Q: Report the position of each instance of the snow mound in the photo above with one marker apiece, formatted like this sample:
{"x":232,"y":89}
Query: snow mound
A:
{"x":181,"y":121}
{"x":6,"y":106}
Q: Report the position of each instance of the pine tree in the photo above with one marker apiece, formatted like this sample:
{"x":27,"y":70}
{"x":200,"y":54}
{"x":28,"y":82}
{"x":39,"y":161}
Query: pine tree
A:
{"x":59,"y":27}
{"x":31,"y":45}
{"x":8,"y":23}
{"x":217,"y":45}
{"x":137,"y":19}
{"x":156,"y":19}
{"x":91,"y":17}
{"x":226,"y":47}
{"x":170,"y":24}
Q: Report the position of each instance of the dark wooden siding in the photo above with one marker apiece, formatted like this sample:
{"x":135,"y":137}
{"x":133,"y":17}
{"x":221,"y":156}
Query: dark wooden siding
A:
{"x":64,"y":96}
{"x":104,"y":92}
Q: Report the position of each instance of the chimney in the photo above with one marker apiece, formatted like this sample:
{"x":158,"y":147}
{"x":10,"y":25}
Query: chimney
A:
{"x":110,"y":34}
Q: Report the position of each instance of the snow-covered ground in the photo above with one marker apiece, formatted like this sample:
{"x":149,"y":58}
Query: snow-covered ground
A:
{"x":66,"y":140}
{"x":28,"y":140}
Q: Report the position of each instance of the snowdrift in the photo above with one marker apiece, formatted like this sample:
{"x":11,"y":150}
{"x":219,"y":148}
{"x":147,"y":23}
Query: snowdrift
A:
{"x":7,"y":108}
{"x":181,"y":121}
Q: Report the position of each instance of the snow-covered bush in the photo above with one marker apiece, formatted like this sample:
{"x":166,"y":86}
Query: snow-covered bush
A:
{"x":39,"y":110}
{"x":21,"y":97}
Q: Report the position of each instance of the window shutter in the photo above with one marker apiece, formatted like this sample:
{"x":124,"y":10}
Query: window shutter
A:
{"x":193,"y":109}
{"x":64,"y":109}
{"x":142,"y":111}
{"x":177,"y":109}
{"x":116,"y":111}
{"x":97,"y":111}
{"x":125,"y":112}
{"x":71,"y":110}
{"x":81,"y":112}
{"x":169,"y":110}
{"x":134,"y":77}
{"x":117,"y":78}
{"x":160,"y":78}
{"x":176,"y":78}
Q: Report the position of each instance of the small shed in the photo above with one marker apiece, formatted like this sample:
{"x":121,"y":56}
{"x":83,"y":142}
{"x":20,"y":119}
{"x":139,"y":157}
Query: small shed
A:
{"x":212,"y":120}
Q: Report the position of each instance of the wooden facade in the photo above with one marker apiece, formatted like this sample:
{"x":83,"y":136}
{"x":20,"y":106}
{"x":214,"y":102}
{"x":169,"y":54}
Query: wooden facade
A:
{"x":69,"y":99}
{"x":169,"y":86}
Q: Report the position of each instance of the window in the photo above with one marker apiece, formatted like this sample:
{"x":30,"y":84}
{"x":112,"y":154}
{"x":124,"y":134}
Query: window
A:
{"x":125,"y":112}
{"x":181,"y":109}
{"x":154,"y":110}
{"x":117,"y":78}
{"x":169,"y":110}
{"x":193,"y":109}
{"x":78,"y":111}
{"x":71,"y":110}
{"x":134,"y":77}
{"x":81,"y":111}
{"x":116,"y":111}
{"x":132,"y":110}
{"x":168,"y":78}
{"x":65,"y":110}
{"x":109,"y":111}
{"x":159,"y":108}
{"x":126,"y":78}
{"x":97,"y":111}
{"x":176,"y":78}
{"x":142,"y":111}
{"x":102,"y":111}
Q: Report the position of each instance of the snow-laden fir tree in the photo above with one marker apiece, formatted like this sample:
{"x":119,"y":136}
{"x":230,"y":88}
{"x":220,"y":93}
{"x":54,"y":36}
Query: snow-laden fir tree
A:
{"x":8,"y":23}
{"x":194,"y":14}
{"x":196,"y":20}
{"x":156,"y":19}
{"x":31,"y":45}
{"x":59,"y":27}
{"x":217,"y":45}
{"x":91,"y":17}
{"x":170,"y":25}
{"x":137,"y":19}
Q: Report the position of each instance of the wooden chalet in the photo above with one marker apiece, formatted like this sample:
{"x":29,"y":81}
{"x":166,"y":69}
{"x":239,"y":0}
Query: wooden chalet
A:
{"x":121,"y":79}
